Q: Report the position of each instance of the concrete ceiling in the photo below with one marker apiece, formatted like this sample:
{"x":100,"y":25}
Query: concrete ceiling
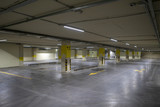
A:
{"x":116,"y":19}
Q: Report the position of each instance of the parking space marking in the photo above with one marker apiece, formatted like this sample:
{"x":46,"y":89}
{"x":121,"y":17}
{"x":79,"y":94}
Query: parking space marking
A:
{"x":139,"y":70}
{"x":14,"y":75}
{"x":96,"y":72}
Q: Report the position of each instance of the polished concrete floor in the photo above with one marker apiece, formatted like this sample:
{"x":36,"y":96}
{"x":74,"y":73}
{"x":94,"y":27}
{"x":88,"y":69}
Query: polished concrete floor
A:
{"x":124,"y":84}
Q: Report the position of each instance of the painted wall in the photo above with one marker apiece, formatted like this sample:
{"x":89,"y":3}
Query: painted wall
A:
{"x":45,"y":54}
{"x":9,"y":55}
{"x":150,"y":55}
{"x":27,"y":52}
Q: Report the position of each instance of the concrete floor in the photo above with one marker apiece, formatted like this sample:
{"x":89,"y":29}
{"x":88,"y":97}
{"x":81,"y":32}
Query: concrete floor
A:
{"x":126,"y":84}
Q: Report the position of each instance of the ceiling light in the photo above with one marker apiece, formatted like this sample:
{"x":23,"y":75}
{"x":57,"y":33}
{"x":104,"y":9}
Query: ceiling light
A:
{"x":26,"y":46}
{"x":114,"y":40}
{"x":135,"y":46}
{"x":72,"y":28}
{"x":3,"y":40}
{"x":127,"y":44}
{"x":47,"y":48}
{"x":59,"y":44}
{"x":90,"y":47}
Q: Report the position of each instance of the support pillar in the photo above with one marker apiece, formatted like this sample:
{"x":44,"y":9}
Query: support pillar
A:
{"x":138,"y":55}
{"x":84,"y":54}
{"x":127,"y":55}
{"x":133,"y":55}
{"x":117,"y":55}
{"x":21,"y":59}
{"x":66,"y":56}
{"x":59,"y":54}
{"x":34,"y":54}
{"x":108,"y":54}
{"x":101,"y":56}
{"x":88,"y":54}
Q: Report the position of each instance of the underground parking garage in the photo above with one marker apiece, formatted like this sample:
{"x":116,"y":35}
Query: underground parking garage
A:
{"x":79,"y":53}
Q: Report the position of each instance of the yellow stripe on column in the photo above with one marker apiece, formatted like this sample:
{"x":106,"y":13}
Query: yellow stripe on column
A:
{"x":101,"y":51}
{"x":118,"y":52}
{"x":127,"y":52}
{"x":20,"y":58}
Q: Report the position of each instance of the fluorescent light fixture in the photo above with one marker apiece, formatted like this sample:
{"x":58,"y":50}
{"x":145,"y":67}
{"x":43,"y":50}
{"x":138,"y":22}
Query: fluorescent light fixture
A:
{"x":59,"y":44}
{"x":127,"y":44}
{"x":90,"y":47}
{"x":135,"y":46}
{"x":47,"y":48}
{"x":26,"y":46}
{"x":114,"y":40}
{"x":72,"y":28}
{"x":3,"y":40}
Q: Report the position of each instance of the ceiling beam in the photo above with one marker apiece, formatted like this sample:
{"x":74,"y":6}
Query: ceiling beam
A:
{"x":60,"y":12}
{"x":62,"y":38}
{"x":151,"y":13}
{"x":15,"y":6}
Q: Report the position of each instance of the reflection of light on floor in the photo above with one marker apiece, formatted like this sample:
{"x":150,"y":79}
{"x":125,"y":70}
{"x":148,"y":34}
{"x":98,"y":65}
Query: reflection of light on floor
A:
{"x":58,"y":76}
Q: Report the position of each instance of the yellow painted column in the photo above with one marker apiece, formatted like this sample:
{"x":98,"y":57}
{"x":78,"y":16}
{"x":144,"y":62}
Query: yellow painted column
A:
{"x":66,"y":56}
{"x":137,"y":55}
{"x":88,"y":54}
{"x":127,"y":55}
{"x":59,"y":54}
{"x":108,"y":54}
{"x":133,"y":55}
{"x":101,"y":56}
{"x":21,"y":58}
{"x":118,"y":55}
{"x":34,"y":54}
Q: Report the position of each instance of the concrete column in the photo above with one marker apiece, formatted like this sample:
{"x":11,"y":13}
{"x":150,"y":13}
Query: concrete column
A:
{"x":101,"y":56}
{"x":98,"y":53}
{"x":117,"y":55}
{"x":66,"y":56}
{"x":108,"y":51}
{"x":138,"y":57}
{"x":133,"y":55}
{"x":76,"y":54}
{"x":21,"y":57}
{"x":127,"y":55}
{"x":59,"y":54}
{"x":84,"y":54}
{"x":88,"y":54}
{"x":34,"y":50}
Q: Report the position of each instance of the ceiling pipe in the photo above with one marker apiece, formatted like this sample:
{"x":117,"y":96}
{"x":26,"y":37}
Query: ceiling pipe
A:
{"x":60,"y":12}
{"x":151,"y":13}
{"x":18,"y":5}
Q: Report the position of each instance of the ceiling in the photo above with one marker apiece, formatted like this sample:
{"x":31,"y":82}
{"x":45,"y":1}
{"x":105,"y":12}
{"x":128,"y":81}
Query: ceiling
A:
{"x":31,"y":22}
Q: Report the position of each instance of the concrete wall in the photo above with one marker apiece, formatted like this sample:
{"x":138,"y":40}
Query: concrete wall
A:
{"x":92,"y":53}
{"x":79,"y":54}
{"x":72,"y":53}
{"x":150,"y":55}
{"x":123,"y":55}
{"x":9,"y":55}
{"x":45,"y":54}
{"x":27,"y":54}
